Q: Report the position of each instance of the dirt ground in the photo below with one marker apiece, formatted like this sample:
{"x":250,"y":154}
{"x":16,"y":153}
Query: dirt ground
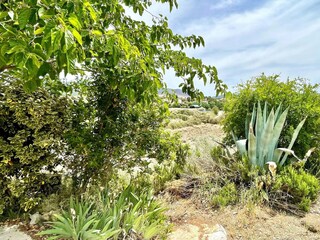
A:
{"x":256,"y":222}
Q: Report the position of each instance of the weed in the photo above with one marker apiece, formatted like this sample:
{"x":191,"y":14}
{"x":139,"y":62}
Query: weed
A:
{"x":226,"y":195}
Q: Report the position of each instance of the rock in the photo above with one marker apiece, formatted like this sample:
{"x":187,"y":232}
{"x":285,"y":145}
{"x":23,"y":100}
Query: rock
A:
{"x":13,"y":233}
{"x":219,"y":233}
{"x":193,"y":232}
{"x":185,"y":232}
{"x":35,"y":218}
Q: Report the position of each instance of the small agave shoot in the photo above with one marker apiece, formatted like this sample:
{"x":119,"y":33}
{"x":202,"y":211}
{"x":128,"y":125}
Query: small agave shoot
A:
{"x":261,"y":145}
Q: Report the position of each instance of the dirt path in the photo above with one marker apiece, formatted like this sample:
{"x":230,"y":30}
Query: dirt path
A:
{"x":192,"y":220}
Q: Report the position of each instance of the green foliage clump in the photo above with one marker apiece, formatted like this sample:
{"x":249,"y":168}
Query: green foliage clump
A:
{"x":31,"y":130}
{"x":226,"y":195}
{"x":304,"y":101}
{"x":215,"y":103}
{"x":128,"y":215}
{"x":301,"y":186}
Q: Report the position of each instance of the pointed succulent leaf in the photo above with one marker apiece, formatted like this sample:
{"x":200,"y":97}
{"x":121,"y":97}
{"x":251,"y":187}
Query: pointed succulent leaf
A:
{"x":277,"y":113}
{"x":259,"y":128}
{"x":265,"y":110}
{"x":241,"y":146}
{"x":294,"y":137}
{"x":252,"y":145}
{"x":267,"y":136}
{"x":277,"y":155}
{"x":276,"y":132}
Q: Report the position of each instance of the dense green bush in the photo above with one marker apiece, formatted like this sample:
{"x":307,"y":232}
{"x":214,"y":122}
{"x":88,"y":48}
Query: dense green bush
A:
{"x":301,"y":97}
{"x":216,"y":102}
{"x":31,"y":130}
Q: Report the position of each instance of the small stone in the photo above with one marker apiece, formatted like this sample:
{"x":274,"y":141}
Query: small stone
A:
{"x":218,"y":234}
{"x":35,"y":218}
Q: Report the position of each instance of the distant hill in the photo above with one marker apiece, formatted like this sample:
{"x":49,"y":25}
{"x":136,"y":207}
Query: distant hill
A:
{"x":177,"y":91}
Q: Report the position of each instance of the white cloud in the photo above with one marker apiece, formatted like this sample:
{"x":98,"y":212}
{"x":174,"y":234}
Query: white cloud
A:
{"x":224,"y":4}
{"x":276,"y":36}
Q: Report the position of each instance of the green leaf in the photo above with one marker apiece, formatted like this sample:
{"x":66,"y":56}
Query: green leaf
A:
{"x":23,"y":17}
{"x":68,"y":40}
{"x":252,"y":147}
{"x":266,"y":136}
{"x":3,"y":15}
{"x":39,"y":31}
{"x":30,"y":86}
{"x":73,"y":19}
{"x":91,"y":10}
{"x":96,"y":32}
{"x":77,"y":35}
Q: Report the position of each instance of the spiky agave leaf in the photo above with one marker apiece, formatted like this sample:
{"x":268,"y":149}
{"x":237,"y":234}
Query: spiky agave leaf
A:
{"x":294,"y":137}
{"x":276,"y":133}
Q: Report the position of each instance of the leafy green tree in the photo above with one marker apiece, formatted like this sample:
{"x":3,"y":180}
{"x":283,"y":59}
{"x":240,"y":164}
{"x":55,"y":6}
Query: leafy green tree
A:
{"x":40,"y":38}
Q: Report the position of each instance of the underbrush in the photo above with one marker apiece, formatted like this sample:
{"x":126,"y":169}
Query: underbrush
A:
{"x":184,"y":118}
{"x":234,"y":180}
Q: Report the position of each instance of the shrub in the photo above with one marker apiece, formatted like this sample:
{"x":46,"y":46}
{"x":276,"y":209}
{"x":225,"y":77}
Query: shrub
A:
{"x":31,"y":130}
{"x":304,"y":101}
{"x":301,"y":187}
{"x":185,"y":118}
{"x":114,"y":133}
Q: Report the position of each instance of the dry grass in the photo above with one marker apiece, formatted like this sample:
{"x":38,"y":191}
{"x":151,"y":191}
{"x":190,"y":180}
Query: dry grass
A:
{"x":180,"y":118}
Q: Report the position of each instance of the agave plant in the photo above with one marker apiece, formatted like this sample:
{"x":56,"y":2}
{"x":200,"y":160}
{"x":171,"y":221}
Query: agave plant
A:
{"x":263,"y":133}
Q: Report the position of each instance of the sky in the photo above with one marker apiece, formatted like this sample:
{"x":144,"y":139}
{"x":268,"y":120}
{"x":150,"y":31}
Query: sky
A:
{"x":245,"y":38}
